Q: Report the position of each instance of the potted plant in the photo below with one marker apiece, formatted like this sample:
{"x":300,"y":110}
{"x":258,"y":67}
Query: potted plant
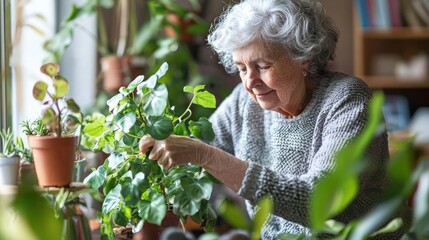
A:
{"x":138,"y":192}
{"x":9,"y":158}
{"x":51,"y":138}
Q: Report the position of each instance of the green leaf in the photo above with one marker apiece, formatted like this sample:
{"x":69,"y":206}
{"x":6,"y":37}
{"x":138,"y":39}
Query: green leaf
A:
{"x":197,"y":189}
{"x":181,"y":129}
{"x":152,"y":81}
{"x":112,"y":200}
{"x":265,"y":208}
{"x":391,"y":227}
{"x":31,"y":209}
{"x":72,"y":105}
{"x":160,"y":127}
{"x":202,"y":129}
{"x":123,"y":216}
{"x":40,"y":90}
{"x":127,"y":122}
{"x":114,"y":101}
{"x":421,"y":206}
{"x":154,"y":208}
{"x":50,"y":69}
{"x":96,"y":128}
{"x":332,"y":227}
{"x":205,"y":99}
{"x":48,"y":116}
{"x":115,"y":159}
{"x":133,"y":189}
{"x":135,"y":83}
{"x":156,"y":101}
{"x":188,"y":89}
{"x":233,"y":215}
{"x":184,"y":204}
{"x":125,"y":91}
{"x":61,"y":87}
{"x":96,"y":178}
{"x":290,"y":236}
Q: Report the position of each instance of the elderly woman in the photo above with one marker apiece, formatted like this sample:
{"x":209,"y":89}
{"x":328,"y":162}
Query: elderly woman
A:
{"x":278,"y":132}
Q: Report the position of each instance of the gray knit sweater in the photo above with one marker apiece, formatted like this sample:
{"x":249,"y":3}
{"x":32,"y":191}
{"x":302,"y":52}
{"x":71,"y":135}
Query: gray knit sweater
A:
{"x":287,"y":156}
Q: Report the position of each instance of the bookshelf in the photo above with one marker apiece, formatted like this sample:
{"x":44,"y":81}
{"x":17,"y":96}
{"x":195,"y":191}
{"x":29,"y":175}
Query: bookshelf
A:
{"x":395,"y":44}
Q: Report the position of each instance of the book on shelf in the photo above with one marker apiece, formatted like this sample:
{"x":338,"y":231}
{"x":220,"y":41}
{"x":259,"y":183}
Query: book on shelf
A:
{"x":395,"y":13}
{"x":362,"y":10}
{"x":385,"y":14}
{"x":410,"y":16}
{"x":382,"y":14}
{"x":421,"y":12}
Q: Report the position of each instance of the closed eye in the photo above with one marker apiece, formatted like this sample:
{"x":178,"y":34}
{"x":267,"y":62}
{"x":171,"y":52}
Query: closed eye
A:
{"x":263,"y":68}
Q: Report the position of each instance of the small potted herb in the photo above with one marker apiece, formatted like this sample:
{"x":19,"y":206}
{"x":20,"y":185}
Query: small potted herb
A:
{"x":139,"y":192}
{"x":52,"y":138}
{"x":9,"y":157}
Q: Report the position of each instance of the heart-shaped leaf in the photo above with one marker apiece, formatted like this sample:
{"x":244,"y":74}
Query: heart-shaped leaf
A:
{"x":50,"y":69}
{"x":160,"y":127}
{"x":96,"y":178}
{"x":205,"y":99}
{"x":154,"y":208}
{"x":156,"y":101}
{"x":39,"y":90}
{"x":202,"y":129}
{"x":72,"y":105}
{"x":61,"y":87}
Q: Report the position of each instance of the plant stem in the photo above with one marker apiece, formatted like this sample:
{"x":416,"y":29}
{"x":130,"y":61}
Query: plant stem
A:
{"x":59,"y":113}
{"x":188,"y":109}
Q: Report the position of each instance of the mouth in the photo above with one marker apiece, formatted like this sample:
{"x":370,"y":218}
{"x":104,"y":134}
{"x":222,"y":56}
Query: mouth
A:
{"x":260,"y":95}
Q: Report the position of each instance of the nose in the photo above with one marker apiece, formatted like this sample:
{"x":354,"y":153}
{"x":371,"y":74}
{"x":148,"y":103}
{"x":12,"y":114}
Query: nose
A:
{"x":252,"y":79}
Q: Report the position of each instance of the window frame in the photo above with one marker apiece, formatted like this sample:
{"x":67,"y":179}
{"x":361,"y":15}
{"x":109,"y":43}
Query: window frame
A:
{"x":5,"y":68}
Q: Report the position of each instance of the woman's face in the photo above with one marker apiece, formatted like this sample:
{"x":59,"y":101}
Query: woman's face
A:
{"x":273,"y":80}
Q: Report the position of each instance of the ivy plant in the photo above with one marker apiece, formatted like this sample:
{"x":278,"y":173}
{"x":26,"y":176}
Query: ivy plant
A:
{"x":137,"y":189}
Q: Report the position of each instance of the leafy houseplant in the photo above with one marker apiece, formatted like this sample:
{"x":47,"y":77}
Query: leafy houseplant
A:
{"x":9,"y":157}
{"x":51,"y":137}
{"x":137,"y":190}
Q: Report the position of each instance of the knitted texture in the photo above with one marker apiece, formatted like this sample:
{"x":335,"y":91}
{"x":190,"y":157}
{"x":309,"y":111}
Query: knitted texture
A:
{"x":287,"y":156}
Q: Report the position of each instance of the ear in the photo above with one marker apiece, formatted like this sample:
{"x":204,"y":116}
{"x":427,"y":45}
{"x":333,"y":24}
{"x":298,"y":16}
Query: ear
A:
{"x":305,"y":65}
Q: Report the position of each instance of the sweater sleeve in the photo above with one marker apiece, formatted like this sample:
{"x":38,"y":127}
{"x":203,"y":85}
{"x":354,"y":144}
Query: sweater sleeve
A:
{"x":227,"y":121}
{"x":341,"y":119}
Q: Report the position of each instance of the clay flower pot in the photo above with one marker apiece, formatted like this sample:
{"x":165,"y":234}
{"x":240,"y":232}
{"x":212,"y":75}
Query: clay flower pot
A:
{"x":116,"y":72}
{"x":54,"y":159}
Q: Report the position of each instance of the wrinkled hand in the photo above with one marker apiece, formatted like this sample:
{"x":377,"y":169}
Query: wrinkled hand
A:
{"x":175,"y":150}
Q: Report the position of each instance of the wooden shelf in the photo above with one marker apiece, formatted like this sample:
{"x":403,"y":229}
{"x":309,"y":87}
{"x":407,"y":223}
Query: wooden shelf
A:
{"x":386,"y":82}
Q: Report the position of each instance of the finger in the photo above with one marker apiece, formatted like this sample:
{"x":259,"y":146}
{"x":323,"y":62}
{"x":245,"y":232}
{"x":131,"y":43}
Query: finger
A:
{"x":166,"y":162}
{"x":145,"y":143}
{"x":157,"y":150}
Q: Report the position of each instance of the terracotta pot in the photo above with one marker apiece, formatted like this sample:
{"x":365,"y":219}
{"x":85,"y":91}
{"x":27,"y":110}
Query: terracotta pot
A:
{"x":182,"y":27}
{"x":54,"y":159}
{"x":152,"y":231}
{"x":9,"y":169}
{"x":116,"y":72}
